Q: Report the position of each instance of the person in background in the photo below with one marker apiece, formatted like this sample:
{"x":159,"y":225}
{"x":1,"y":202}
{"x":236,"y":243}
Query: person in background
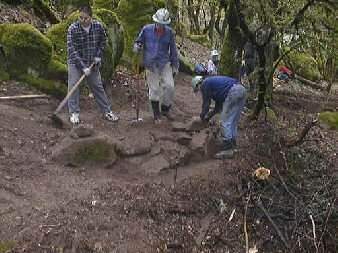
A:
{"x":248,"y":59}
{"x":212,"y":64}
{"x":230,"y":96}
{"x":160,"y":59}
{"x":86,"y":42}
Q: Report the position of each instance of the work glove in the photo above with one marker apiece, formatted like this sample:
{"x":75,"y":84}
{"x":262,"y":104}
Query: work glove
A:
{"x":97,"y":60}
{"x":86,"y":71}
{"x":137,"y":48}
{"x":175,"y":71}
{"x":243,"y":62}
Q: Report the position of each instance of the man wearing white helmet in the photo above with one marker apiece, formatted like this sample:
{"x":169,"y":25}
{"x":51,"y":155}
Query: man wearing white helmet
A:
{"x":160,"y":59}
{"x":212,"y":64}
{"x":230,"y":96}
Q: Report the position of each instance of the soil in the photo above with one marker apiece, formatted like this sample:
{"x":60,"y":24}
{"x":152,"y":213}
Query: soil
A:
{"x":199,"y":206}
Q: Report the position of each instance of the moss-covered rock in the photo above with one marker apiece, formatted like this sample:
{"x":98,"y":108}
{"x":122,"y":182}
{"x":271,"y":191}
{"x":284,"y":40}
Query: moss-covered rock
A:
{"x":96,"y":154}
{"x":105,"y":4}
{"x":57,"y":71}
{"x":304,"y":65}
{"x":330,"y":118}
{"x":50,"y":87}
{"x":4,"y":76}
{"x":69,"y":6}
{"x":202,"y":39}
{"x":26,"y":49}
{"x":135,"y":14}
{"x":6,"y":246}
{"x":44,"y":11}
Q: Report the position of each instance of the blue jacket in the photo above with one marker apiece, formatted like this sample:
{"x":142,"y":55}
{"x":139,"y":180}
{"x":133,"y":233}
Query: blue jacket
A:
{"x":158,"y":51}
{"x":217,"y":89}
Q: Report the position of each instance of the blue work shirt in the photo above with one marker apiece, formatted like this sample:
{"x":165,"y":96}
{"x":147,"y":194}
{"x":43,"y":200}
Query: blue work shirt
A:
{"x":215,"y":88}
{"x":158,"y":51}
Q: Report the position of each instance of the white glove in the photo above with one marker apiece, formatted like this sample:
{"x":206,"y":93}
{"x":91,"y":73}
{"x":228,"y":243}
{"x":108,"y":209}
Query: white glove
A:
{"x":97,"y":60}
{"x":86,"y":71}
{"x":137,"y":48}
{"x":175,"y":71}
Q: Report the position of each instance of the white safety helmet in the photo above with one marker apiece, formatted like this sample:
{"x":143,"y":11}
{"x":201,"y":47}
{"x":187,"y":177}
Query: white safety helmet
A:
{"x":214,"y":53}
{"x":162,"y":17}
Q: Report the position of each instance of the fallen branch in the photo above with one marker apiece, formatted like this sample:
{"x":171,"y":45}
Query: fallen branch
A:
{"x":245,"y":229}
{"x":309,"y":83}
{"x":314,"y":233}
{"x":300,"y":138}
{"x":23,"y":97}
{"x":261,"y":206}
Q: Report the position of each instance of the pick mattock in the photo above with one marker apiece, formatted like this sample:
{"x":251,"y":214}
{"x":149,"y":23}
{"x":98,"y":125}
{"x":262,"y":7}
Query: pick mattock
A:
{"x":58,"y":122}
{"x":138,"y":92}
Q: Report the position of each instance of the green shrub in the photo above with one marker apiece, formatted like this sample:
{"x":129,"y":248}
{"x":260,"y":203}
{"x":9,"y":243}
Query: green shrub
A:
{"x":330,"y":118}
{"x":201,"y":39}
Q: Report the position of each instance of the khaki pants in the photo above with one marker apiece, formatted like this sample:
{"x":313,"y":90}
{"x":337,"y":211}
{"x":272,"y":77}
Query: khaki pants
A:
{"x":161,"y":80}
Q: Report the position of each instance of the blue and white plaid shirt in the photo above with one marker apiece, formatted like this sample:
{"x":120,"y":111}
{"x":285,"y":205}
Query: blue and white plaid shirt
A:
{"x":82,"y":46}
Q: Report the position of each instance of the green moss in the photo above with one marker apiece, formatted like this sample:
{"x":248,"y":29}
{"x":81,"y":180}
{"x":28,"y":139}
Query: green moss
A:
{"x":202,"y":39}
{"x":58,"y":37}
{"x":304,"y":65}
{"x":5,"y":246}
{"x":58,"y":71}
{"x":50,"y":87}
{"x":4,"y":76}
{"x":96,"y":154}
{"x":227,"y":64}
{"x":135,"y":14}
{"x":69,"y":6}
{"x":25,"y":48}
{"x":271,"y":113}
{"x":105,"y":4}
{"x":43,"y":10}
{"x":330,"y":118}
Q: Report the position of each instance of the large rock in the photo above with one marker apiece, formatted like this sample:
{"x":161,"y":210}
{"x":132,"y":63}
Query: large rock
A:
{"x":26,"y":50}
{"x":135,"y":144}
{"x":203,"y":144}
{"x":155,"y":164}
{"x":174,"y":152}
{"x":97,"y":151}
{"x":195,"y":124}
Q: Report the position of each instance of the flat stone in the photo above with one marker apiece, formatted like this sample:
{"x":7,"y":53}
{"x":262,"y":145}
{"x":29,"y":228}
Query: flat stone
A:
{"x":174,"y":152}
{"x":195,"y":124}
{"x":155,"y":164}
{"x":136,"y":143}
{"x":96,"y":151}
{"x":81,"y":131}
{"x":178,"y":127}
{"x":183,"y":138}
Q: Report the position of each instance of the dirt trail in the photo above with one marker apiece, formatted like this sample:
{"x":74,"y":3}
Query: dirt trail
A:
{"x":46,"y":207}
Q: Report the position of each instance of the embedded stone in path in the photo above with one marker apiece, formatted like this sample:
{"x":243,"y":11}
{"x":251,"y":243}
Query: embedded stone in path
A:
{"x":81,"y":131}
{"x":155,"y":164}
{"x":178,"y":127}
{"x":195,"y":124}
{"x":137,"y":143}
{"x":96,"y":151}
{"x":183,"y":138}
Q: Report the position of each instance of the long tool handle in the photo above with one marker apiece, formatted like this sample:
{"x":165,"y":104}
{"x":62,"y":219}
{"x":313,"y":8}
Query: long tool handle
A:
{"x":138,"y":90}
{"x":64,"y":101}
{"x":23,"y":97}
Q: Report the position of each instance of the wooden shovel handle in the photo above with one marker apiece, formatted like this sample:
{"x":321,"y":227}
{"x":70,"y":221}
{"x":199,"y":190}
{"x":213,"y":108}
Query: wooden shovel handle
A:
{"x":64,"y":101}
{"x":23,"y":97}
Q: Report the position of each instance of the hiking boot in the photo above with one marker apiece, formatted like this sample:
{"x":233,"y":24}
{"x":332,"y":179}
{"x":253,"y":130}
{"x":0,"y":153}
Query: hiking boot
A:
{"x":166,"y":113}
{"x":226,"y":152}
{"x":110,"y":116}
{"x":75,"y":118}
{"x":155,"y":105}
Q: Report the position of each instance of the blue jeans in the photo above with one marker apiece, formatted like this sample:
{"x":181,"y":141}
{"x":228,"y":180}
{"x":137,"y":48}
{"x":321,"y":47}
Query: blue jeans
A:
{"x":95,"y":84}
{"x":232,"y":110}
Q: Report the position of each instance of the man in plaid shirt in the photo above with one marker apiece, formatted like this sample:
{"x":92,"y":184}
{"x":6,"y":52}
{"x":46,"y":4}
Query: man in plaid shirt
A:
{"x":86,"y":42}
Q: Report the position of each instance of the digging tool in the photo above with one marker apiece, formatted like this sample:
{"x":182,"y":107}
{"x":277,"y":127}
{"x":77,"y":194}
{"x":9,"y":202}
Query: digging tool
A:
{"x":138,"y":92}
{"x":58,"y":122}
{"x":23,"y":97}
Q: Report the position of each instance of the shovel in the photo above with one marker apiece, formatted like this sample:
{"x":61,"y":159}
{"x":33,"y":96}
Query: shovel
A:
{"x":58,"y":122}
{"x":138,"y":95}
